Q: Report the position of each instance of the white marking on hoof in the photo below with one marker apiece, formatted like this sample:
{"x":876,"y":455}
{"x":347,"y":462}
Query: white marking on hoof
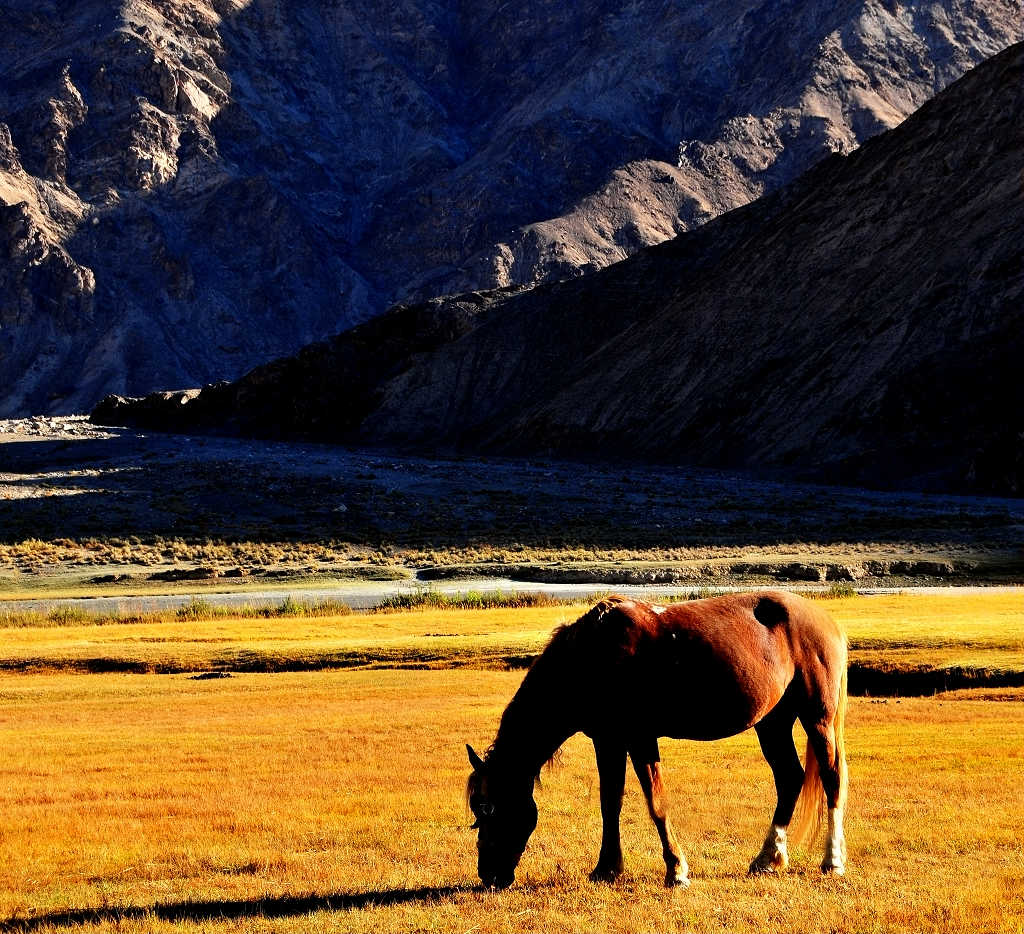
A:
{"x":676,"y":871}
{"x":774,"y":856}
{"x":834,"y":863}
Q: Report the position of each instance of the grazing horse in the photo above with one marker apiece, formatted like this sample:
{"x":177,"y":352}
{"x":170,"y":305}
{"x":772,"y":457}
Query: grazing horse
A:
{"x":629,"y":672}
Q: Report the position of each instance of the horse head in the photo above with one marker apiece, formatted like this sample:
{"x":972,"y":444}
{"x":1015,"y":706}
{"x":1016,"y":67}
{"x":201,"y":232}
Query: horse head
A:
{"x":505,"y":815}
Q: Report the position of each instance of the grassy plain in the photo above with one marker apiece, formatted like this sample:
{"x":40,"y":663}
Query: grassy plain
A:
{"x":331,"y":800}
{"x":975,"y":629}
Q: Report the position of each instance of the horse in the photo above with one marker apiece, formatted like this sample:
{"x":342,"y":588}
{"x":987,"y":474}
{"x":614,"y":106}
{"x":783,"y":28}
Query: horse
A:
{"x":627,"y":673}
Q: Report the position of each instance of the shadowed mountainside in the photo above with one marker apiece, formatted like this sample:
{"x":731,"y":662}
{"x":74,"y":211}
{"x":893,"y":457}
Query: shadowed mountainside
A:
{"x":190,"y":189}
{"x":863,"y":324}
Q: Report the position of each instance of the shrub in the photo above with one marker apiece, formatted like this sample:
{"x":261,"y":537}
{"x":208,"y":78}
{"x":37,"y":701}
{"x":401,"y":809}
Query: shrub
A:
{"x":195,"y":609}
{"x":836,"y":591}
{"x":67,"y":615}
{"x":471,"y":600}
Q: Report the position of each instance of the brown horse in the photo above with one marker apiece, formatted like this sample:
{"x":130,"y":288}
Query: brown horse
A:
{"x":628,"y":672}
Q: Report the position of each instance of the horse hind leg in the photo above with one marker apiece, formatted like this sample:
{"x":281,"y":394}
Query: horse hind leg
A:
{"x":647,"y":765}
{"x":775,"y":734}
{"x":827,"y":751}
{"x":826,"y":743}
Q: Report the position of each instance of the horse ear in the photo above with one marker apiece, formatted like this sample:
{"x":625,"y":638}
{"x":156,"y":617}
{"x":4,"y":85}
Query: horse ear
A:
{"x":474,"y":759}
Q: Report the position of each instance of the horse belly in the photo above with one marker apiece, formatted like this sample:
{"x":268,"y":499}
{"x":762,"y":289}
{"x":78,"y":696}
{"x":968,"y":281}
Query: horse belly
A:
{"x":708,"y":699}
{"x":714,"y":717}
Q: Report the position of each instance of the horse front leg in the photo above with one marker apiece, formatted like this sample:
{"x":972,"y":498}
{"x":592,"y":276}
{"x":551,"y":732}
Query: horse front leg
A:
{"x":647,"y":765}
{"x":611,"y":768}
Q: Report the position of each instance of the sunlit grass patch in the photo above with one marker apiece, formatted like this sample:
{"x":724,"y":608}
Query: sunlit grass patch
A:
{"x":950,"y":619}
{"x":333,"y":801}
{"x":195,"y":609}
{"x":908,"y":640}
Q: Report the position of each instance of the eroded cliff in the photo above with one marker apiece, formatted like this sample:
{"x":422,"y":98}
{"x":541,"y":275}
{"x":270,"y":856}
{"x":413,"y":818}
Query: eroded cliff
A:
{"x":189,"y":189}
{"x":861,"y":324}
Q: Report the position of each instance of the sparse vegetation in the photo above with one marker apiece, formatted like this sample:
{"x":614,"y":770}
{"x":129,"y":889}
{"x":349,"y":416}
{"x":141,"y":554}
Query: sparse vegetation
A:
{"x":200,"y":608}
{"x":195,"y":609}
{"x":425,"y":598}
{"x":67,"y":616}
{"x":332,"y":801}
{"x":839,"y":590}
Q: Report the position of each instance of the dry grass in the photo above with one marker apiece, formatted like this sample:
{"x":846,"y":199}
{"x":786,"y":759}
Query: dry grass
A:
{"x":331,"y":801}
{"x":155,"y":550}
{"x":948,"y":630}
{"x":134,"y":553}
{"x":443,"y":637}
{"x":978,"y":630}
{"x":109,"y":565}
{"x":132,"y":550}
{"x":993,"y":619}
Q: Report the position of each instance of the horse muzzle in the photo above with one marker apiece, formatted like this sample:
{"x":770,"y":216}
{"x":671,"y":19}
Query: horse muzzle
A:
{"x":497,"y":882}
{"x":496,"y":874}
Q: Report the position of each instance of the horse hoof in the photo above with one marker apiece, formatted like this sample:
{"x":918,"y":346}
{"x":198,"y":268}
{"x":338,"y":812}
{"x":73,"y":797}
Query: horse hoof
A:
{"x":768,"y":865}
{"x":677,"y":882}
{"x":602,"y":874}
{"x":833,"y":870}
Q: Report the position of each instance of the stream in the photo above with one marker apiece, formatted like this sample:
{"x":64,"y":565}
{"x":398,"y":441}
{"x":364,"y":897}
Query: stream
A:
{"x":364,"y":595}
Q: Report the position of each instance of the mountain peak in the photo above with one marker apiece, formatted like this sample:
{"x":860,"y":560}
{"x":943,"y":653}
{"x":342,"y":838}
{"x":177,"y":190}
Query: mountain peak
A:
{"x":861,"y":324}
{"x":239,"y":179}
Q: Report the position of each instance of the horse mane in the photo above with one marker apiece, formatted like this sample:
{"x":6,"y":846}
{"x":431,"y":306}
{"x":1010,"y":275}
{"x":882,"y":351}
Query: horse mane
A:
{"x":578,"y":635}
{"x":551,"y":673}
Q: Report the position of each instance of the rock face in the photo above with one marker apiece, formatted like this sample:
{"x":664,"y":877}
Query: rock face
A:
{"x":864,"y":324}
{"x":189,"y":189}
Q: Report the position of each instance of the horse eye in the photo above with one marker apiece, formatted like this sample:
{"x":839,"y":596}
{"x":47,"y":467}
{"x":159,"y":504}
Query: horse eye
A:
{"x":487,"y":809}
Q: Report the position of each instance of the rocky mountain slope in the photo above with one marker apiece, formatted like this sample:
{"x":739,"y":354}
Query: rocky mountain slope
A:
{"x":865,"y":323}
{"x":190,"y":188}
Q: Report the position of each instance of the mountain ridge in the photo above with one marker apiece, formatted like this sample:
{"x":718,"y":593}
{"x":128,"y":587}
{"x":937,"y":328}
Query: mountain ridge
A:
{"x":209,"y":185}
{"x":807,"y":332}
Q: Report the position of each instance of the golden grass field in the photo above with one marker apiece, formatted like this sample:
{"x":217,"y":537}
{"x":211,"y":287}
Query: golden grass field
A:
{"x":951,"y":629}
{"x":331,"y":800}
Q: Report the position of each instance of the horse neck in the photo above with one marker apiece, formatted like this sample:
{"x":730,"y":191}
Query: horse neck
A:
{"x":536,"y":722}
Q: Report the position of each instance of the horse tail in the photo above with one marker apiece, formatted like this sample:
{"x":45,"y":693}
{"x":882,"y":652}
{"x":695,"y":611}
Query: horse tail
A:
{"x":840,"y":726}
{"x":810,"y":806}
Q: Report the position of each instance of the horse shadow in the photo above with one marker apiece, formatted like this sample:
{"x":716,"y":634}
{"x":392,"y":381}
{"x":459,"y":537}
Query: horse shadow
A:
{"x":284,"y":906}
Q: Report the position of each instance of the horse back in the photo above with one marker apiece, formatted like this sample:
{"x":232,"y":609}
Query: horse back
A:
{"x":715,"y":667}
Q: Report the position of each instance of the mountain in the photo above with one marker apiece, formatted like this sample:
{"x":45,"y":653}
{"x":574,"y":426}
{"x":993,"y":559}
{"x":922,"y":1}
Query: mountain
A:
{"x":188,"y":189}
{"x":863,"y":324}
